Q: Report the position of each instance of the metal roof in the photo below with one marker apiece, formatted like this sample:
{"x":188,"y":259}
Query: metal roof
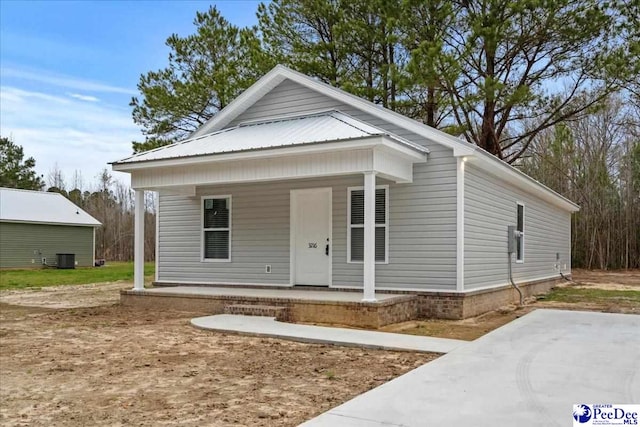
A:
{"x":41,"y":207}
{"x":272,"y":133}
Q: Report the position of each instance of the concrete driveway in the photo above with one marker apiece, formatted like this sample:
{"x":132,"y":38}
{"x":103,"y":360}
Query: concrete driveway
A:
{"x":529,"y":372}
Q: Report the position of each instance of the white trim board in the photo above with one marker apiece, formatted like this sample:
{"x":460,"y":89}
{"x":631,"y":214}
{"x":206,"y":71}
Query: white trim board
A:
{"x":460,"y":161}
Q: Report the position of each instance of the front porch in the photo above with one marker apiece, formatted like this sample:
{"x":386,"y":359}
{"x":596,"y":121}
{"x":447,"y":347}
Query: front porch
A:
{"x":223,"y":228}
{"x":292,"y":305}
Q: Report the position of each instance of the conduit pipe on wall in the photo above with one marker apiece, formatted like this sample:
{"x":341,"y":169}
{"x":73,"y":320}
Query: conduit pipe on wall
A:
{"x":511,"y":248}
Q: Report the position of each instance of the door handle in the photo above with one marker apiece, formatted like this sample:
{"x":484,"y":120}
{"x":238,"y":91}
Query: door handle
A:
{"x":326,"y":250}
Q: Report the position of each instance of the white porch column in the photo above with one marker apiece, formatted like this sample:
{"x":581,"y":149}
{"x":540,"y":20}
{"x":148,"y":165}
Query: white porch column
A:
{"x":138,"y":242}
{"x":369,"y":274}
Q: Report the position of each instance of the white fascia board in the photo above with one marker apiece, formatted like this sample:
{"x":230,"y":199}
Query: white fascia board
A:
{"x":510,"y":174}
{"x":389,"y":144}
{"x":280,"y":73}
{"x":71,"y":224}
{"x":293,"y":150}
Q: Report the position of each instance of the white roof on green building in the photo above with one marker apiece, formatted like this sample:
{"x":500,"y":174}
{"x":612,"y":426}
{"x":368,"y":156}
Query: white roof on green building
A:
{"x":41,"y":207}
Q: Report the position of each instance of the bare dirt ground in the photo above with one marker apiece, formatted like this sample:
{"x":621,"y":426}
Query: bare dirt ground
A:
{"x":613,"y":280}
{"x":69,"y":356}
{"x":475,"y":327}
{"x":68,"y":296}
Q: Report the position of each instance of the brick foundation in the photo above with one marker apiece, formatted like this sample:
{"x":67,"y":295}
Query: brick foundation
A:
{"x":403,"y":307}
{"x":358,"y":314}
{"x":450,"y":305}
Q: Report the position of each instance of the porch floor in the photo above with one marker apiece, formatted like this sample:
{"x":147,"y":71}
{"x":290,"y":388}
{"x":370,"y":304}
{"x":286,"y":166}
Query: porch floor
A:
{"x":289,"y":294}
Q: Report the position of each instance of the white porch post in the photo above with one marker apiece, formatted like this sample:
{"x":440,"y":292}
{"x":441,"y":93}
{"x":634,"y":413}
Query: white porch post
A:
{"x":138,"y":245}
{"x":369,"y":274}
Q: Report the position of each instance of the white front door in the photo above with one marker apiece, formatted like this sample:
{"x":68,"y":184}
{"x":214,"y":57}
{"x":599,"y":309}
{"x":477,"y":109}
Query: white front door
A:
{"x":311,"y":236}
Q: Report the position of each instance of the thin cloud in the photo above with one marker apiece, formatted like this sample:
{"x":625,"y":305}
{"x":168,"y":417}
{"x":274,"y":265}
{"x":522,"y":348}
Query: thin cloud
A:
{"x":63,"y":81}
{"x":81,"y":97}
{"x":74,"y":133}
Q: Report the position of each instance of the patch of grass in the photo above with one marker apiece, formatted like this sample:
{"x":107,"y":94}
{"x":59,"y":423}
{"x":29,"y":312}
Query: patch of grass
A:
{"x":598,"y":296}
{"x":112,"y":272}
{"x":330,"y":375}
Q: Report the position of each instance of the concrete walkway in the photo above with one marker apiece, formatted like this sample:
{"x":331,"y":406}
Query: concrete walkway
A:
{"x":269,"y":327}
{"x":529,"y":372}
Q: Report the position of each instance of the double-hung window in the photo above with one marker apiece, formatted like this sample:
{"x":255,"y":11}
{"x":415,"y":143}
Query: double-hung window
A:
{"x":355,"y":224}
{"x":520,"y":229}
{"x":216,"y":228}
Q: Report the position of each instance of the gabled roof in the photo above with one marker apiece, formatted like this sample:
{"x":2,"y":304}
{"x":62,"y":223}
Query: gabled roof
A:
{"x":41,"y":207}
{"x":280,"y":73}
{"x":460,"y":147}
{"x":328,"y":126}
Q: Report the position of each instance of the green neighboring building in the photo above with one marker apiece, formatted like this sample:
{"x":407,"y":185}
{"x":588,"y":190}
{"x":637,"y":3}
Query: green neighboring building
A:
{"x":36,"y":226}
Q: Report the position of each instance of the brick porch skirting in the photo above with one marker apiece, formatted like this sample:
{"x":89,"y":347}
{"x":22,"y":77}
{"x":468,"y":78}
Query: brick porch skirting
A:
{"x":403,"y":307}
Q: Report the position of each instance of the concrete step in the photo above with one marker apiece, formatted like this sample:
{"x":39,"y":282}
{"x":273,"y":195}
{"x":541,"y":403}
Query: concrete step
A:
{"x":280,"y":313}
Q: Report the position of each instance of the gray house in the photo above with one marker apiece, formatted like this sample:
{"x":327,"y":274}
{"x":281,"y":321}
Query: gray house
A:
{"x":36,"y":226}
{"x":299,"y":183}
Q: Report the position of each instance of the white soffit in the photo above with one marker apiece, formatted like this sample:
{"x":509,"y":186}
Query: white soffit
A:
{"x":322,"y":127}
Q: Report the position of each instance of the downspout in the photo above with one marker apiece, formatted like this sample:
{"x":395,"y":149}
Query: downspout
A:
{"x":511,"y":248}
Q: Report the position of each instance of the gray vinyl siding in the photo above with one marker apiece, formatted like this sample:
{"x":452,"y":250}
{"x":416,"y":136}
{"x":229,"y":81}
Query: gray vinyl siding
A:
{"x":490,"y":206}
{"x":422,"y":217}
{"x":260,"y":235}
{"x":20,"y":243}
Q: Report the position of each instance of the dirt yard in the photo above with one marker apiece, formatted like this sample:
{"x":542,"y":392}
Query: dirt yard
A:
{"x":63,"y":363}
{"x":70,"y":356}
{"x":614,"y":280}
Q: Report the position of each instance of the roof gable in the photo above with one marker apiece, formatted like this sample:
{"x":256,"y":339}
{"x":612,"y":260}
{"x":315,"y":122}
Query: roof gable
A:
{"x":280,"y":73}
{"x":41,"y":207}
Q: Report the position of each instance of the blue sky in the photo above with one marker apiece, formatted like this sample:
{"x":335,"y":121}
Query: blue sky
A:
{"x":69,"y":69}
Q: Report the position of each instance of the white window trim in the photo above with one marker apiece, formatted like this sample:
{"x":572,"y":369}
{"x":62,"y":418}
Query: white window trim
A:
{"x":521,"y":242}
{"x":386,"y":224}
{"x":203,"y":230}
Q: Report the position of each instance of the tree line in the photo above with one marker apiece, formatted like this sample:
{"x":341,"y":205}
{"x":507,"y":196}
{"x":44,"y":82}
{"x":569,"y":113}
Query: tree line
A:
{"x":112,"y":203}
{"x":108,"y":200}
{"x":595,"y":161}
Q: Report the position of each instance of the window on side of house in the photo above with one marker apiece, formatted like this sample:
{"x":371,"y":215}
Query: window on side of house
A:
{"x":216,"y":228}
{"x":520,"y":228}
{"x":355,"y":225}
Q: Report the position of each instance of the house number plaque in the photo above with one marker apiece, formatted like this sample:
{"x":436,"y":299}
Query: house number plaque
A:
{"x":313,"y":245}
